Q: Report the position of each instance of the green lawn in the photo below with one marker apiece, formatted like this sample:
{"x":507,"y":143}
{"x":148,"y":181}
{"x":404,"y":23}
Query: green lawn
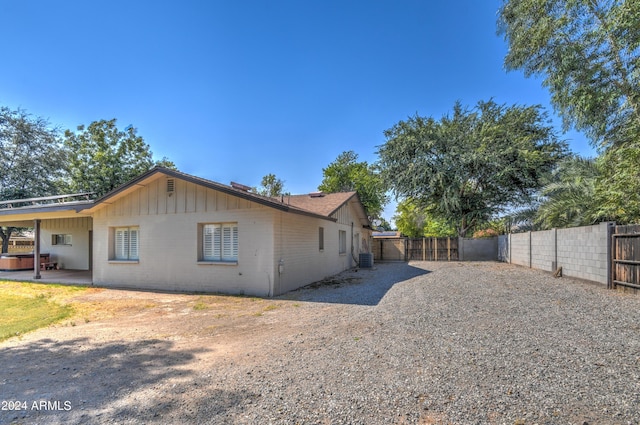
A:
{"x":22,"y":313}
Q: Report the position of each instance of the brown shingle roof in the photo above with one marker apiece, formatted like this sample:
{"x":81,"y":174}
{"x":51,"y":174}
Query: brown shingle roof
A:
{"x":321,"y":207}
{"x":325,"y":204}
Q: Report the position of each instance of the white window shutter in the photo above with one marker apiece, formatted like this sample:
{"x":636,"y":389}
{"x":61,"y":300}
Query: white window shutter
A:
{"x":133,"y":244}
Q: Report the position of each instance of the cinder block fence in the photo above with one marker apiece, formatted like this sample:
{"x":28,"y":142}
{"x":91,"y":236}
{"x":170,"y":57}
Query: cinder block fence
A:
{"x":582,"y":252}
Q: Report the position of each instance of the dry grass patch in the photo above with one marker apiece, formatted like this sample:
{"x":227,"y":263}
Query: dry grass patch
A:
{"x":25,"y":307}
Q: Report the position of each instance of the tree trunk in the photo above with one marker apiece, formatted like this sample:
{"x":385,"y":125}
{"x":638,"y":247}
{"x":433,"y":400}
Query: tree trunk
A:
{"x":5,"y":234}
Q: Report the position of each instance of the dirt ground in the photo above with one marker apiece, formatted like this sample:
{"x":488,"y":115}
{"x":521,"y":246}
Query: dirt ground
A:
{"x":153,"y":337}
{"x":423,"y":343}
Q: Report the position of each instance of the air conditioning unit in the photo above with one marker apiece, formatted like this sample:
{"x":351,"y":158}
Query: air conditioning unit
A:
{"x":366,"y":260}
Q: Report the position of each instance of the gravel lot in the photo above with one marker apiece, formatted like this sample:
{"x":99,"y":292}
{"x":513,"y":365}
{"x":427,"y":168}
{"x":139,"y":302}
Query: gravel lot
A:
{"x":427,"y":343}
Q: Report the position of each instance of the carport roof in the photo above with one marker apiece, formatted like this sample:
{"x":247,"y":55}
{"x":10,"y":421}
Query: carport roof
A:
{"x":24,"y":216}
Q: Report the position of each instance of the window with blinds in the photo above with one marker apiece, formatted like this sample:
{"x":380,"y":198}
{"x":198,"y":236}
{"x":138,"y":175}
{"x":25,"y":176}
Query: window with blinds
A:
{"x":60,"y":239}
{"x":126,"y":243}
{"x":342,"y":241}
{"x":220,"y":242}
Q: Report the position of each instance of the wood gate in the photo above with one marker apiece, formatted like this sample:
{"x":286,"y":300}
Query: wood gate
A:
{"x":392,"y":249}
{"x":419,"y":249}
{"x":432,"y":249}
{"x":625,"y":258}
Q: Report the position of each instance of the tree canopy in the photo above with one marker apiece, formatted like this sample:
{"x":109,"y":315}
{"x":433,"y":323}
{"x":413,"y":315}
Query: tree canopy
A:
{"x":472,"y":165}
{"x":32,"y":161}
{"x":415,"y":222}
{"x":270,"y":186}
{"x":588,"y":53}
{"x":346,"y":174}
{"x":102,"y":157}
{"x":568,"y":199}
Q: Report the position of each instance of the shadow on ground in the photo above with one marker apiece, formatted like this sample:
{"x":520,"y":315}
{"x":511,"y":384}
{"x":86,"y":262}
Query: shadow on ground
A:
{"x":362,"y":287}
{"x":79,"y":380}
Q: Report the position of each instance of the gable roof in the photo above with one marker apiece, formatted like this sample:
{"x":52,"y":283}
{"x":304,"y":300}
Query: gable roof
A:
{"x":320,"y":207}
{"x":329,"y":203}
{"x":321,"y":203}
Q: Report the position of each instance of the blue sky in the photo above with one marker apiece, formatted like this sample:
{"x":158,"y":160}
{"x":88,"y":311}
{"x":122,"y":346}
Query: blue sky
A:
{"x":234,"y":90}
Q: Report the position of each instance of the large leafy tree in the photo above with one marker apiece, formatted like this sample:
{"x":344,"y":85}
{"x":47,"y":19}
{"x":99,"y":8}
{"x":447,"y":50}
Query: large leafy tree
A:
{"x":617,"y":187}
{"x":347,"y":174}
{"x":32,"y":161}
{"x":471,"y":165}
{"x":568,"y":199}
{"x":103,"y":157}
{"x":588,"y":52}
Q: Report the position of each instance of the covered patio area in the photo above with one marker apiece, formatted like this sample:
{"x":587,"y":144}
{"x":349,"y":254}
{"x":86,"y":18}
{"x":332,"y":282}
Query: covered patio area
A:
{"x":70,"y":277}
{"x":62,"y":239}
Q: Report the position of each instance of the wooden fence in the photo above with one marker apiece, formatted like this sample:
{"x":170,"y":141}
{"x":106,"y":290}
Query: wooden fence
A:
{"x":625,"y":258}
{"x":420,"y":249}
{"x":433,"y":249}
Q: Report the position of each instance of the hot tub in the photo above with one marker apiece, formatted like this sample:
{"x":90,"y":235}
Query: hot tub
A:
{"x":14,"y":262}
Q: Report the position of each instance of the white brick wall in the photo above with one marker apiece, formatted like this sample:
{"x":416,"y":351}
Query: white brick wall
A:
{"x":74,"y":256}
{"x":169,"y":243}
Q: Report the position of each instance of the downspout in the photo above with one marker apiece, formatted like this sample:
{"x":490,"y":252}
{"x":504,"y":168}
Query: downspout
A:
{"x":353,"y":255}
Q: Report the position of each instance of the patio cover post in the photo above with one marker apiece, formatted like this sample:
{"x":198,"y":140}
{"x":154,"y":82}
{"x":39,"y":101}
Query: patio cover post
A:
{"x":36,"y":249}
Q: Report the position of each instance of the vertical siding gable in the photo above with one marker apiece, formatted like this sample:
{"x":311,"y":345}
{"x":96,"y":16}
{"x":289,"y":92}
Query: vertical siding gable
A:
{"x":153,"y":198}
{"x":188,"y":197}
{"x":190,"y":204}
{"x":211,"y":200}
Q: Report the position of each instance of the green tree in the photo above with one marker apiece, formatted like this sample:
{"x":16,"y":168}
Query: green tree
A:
{"x":587,"y":52}
{"x":382,"y":224}
{"x":31,"y":159}
{"x":472,"y":165}
{"x":415,"y":222}
{"x":617,"y":189}
{"x":346,"y":174}
{"x":270,"y":186}
{"x":102,"y":157}
{"x":569,"y":198}
{"x":410,"y":219}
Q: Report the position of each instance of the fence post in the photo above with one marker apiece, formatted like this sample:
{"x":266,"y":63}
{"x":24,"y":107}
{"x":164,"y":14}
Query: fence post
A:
{"x":449,"y":249}
{"x":530,"y":253}
{"x":424,"y":249}
{"x":555,"y":250}
{"x":435,"y":249}
{"x":611,"y":255}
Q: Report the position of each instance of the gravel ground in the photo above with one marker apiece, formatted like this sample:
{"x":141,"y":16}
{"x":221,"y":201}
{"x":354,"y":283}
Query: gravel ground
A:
{"x":427,"y":343}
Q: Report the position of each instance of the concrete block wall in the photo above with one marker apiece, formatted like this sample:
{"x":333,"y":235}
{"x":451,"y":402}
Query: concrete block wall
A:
{"x":519,"y":249}
{"x":543,"y":250}
{"x":582,"y":252}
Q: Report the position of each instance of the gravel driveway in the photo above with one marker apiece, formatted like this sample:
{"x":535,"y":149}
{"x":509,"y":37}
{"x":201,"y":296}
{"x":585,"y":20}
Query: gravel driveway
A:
{"x":427,"y":343}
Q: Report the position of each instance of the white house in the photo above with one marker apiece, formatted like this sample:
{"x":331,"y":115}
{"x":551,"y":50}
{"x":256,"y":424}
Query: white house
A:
{"x":168,"y":230}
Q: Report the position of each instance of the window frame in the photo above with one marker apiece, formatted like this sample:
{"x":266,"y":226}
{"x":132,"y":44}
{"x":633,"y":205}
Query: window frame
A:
{"x":218,"y":243}
{"x":321,"y":238}
{"x":342,"y":242}
{"x":61,"y":239}
{"x":124,"y":249}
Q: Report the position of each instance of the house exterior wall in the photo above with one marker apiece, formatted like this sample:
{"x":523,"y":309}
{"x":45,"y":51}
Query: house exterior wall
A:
{"x":169,"y":227}
{"x":297,"y":247}
{"x":74,"y":256}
